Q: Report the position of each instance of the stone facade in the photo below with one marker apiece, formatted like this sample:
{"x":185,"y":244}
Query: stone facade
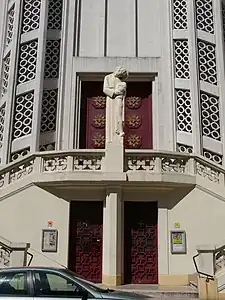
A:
{"x":49,"y":51}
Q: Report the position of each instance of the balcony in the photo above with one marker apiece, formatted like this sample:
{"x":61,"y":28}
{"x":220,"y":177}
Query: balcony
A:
{"x":79,"y":168}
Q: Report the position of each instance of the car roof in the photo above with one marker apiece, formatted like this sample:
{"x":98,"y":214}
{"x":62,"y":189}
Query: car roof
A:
{"x":10,"y":269}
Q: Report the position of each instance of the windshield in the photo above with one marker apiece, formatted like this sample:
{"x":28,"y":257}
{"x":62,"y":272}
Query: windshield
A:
{"x":86,"y":282}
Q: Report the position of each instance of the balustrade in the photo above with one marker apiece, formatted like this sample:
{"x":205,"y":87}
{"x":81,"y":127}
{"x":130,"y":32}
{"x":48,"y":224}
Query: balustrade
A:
{"x":94,"y":160}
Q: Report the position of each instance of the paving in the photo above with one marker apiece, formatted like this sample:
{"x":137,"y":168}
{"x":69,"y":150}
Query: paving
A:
{"x":161,"y":292}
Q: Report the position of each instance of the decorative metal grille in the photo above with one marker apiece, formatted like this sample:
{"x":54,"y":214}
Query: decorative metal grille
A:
{"x":31,"y":15}
{"x":184,"y":116}
{"x":180,"y":14}
{"x":204,"y":15}
{"x":49,"y":110}
{"x":2,"y":124}
{"x":210,"y":116}
{"x":19,"y":154}
{"x":10,"y":25}
{"x":27,"y":62}
{"x":5,"y":74}
{"x":184,"y":148}
{"x":223,"y":19}
{"x":217,"y":158}
{"x":55,"y":14}
{"x":47,"y":147}
{"x":181,"y":59}
{"x":52,"y":57}
{"x":22,"y":124}
{"x":207,"y":62}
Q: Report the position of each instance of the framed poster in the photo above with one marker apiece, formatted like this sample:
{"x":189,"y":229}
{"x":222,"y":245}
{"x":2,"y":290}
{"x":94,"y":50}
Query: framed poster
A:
{"x":49,"y":240}
{"x":178,"y":242}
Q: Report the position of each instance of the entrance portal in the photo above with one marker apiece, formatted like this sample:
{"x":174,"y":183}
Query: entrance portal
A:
{"x":141,"y":242}
{"x":138,"y":116}
{"x":85,"y":249}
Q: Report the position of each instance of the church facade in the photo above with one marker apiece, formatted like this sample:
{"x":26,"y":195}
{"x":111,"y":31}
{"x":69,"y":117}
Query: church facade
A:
{"x":121,"y":208}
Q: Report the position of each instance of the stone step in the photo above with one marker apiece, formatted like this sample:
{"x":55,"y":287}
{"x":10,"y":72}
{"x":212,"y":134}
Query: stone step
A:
{"x":175,"y":292}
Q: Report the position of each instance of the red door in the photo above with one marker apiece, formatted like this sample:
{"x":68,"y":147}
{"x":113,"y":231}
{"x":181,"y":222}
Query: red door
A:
{"x":85,"y":251}
{"x":138,"y":116}
{"x":141,"y":243}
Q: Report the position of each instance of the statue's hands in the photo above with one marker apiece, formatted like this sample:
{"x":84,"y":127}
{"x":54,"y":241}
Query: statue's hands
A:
{"x":118,"y":93}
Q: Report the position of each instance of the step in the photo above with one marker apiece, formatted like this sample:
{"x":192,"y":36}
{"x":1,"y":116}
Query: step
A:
{"x":177,"y":292}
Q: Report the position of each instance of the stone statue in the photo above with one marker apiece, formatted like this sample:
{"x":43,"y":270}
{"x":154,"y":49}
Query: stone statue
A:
{"x":115,"y":89}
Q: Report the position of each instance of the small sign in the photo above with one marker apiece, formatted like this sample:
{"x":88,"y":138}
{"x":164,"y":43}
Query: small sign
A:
{"x":178,"y":242}
{"x":177,"y":225}
{"x":49,"y":240}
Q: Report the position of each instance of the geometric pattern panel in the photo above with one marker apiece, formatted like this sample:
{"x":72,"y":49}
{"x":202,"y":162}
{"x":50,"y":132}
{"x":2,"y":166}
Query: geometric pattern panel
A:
{"x":223,"y":19}
{"x":49,"y":110}
{"x":27,"y":61}
{"x":47,"y":147}
{"x":210,"y":117}
{"x":204,"y":15}
{"x":31,"y":15}
{"x":22,"y":124}
{"x":10,"y":25}
{"x":184,"y":116}
{"x":180,"y":14}
{"x":19,"y":154}
{"x":86,"y":224}
{"x":216,"y":158}
{"x":2,"y":124}
{"x":55,"y":14}
{"x":5,"y":74}
{"x":141,"y":243}
{"x":184,"y":148}
{"x":181,"y":53}
{"x":207,"y":62}
{"x":52,"y":57}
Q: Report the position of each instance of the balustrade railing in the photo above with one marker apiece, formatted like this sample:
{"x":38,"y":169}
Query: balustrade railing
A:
{"x":94,"y":160}
{"x":170,"y":162}
{"x":54,"y":161}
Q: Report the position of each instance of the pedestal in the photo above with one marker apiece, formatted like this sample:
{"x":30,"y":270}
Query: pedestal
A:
{"x":112,"y":268}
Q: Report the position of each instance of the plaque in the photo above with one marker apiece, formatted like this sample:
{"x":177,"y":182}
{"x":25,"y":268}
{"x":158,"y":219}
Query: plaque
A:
{"x":178,"y":242}
{"x":49,"y":240}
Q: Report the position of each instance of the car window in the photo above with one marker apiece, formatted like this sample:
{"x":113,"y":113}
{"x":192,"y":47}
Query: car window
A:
{"x":49,"y":284}
{"x":13,"y":283}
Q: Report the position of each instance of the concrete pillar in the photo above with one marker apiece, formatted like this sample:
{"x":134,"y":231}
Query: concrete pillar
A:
{"x":112,"y":269}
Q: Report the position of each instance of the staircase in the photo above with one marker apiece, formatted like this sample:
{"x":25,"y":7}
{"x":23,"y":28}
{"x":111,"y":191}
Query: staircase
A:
{"x":13,"y":254}
{"x":210,"y":267}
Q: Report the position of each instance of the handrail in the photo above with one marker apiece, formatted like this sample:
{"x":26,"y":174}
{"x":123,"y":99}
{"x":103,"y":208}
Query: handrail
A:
{"x":43,"y":154}
{"x":162,"y":153}
{"x":208,"y":276}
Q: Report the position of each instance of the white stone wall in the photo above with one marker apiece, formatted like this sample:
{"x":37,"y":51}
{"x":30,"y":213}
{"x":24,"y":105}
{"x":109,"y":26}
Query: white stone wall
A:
{"x":25,"y":214}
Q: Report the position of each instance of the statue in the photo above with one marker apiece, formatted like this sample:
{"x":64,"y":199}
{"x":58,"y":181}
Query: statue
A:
{"x":115,"y":89}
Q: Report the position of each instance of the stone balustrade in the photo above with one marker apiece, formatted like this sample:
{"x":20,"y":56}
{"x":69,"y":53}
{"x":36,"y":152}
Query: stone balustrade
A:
{"x":50,"y":162}
{"x":170,"y":162}
{"x":149,"y":161}
{"x":4,"y":258}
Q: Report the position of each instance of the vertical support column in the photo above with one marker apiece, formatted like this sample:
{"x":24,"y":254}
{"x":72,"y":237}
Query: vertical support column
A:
{"x":38,"y":92}
{"x":12,"y":83}
{"x":168,"y":133}
{"x":194,"y":81}
{"x":219,"y":32}
{"x":112,"y":268}
{"x":163,"y":244}
{"x":67,"y":100}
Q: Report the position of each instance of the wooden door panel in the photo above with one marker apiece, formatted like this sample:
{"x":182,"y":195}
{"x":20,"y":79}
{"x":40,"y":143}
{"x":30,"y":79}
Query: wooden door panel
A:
{"x":138,"y":116}
{"x":141,"y":243}
{"x":85,"y":251}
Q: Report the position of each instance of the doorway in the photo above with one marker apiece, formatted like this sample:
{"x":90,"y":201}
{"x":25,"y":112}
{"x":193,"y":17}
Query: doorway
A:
{"x":85,"y":239}
{"x":140,"y":243}
{"x":138,"y":116}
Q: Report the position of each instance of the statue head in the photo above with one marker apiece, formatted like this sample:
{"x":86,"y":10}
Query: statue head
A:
{"x":121,"y":73}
